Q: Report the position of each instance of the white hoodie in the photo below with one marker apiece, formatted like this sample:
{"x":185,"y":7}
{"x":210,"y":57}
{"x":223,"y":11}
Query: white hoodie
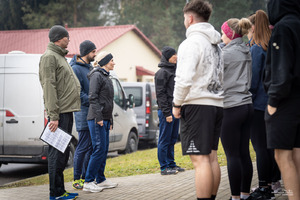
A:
{"x":199,"y":73}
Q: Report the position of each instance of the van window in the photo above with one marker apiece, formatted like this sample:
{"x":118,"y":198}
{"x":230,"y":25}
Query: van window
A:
{"x":118,"y":93}
{"x":137,"y":93}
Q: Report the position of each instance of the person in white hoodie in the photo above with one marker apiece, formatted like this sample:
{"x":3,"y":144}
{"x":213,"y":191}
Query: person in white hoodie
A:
{"x":198,"y":100}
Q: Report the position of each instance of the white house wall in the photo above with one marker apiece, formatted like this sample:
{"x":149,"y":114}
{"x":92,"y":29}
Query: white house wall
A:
{"x":130,"y":51}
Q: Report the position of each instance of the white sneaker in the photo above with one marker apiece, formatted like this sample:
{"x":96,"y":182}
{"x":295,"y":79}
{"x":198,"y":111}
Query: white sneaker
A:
{"x":92,"y":187}
{"x":107,"y":184}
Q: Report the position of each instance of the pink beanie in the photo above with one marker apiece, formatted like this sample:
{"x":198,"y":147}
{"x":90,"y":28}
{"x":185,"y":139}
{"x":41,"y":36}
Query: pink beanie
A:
{"x":228,"y":32}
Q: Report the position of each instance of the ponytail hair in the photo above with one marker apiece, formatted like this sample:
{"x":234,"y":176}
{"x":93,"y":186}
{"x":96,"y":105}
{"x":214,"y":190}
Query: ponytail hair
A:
{"x":262,"y":31}
{"x":241,"y":26}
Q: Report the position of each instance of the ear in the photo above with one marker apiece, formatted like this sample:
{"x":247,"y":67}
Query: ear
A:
{"x":191,"y":19}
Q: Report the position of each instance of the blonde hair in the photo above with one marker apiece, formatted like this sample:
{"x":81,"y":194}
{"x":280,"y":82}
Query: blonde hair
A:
{"x":99,"y":57}
{"x":239,"y":26}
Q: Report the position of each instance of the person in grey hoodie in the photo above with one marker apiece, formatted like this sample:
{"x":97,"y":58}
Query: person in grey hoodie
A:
{"x":238,"y":109}
{"x":198,"y":100}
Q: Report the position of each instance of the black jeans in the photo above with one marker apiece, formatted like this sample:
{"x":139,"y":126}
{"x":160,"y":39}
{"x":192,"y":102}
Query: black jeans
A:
{"x":57,"y":160}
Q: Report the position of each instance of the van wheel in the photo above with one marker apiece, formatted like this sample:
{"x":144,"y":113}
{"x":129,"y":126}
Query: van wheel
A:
{"x":132,"y":144}
{"x":71,"y":155}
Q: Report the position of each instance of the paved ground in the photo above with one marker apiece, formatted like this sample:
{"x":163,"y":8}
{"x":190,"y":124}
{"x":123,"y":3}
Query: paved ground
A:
{"x":141,"y":187}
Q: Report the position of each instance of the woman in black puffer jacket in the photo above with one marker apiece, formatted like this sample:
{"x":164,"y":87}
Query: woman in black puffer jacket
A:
{"x":101,"y":95}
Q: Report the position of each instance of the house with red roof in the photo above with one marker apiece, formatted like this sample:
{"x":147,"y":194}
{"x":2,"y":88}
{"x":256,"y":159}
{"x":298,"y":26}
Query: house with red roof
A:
{"x":136,"y":57}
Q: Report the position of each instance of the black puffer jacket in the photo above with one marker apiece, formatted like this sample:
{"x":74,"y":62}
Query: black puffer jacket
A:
{"x":101,"y":95}
{"x":282,"y":72}
{"x":164,"y":86}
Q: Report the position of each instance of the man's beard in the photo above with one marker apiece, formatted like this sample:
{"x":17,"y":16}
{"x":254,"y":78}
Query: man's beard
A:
{"x":90,"y":59}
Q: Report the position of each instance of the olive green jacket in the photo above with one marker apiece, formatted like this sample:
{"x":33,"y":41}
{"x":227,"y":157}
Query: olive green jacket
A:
{"x":60,"y":85}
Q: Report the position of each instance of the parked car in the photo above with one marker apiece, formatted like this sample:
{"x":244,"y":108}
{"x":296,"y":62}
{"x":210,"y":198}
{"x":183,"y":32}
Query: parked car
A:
{"x":145,"y":109}
{"x":23,"y":117}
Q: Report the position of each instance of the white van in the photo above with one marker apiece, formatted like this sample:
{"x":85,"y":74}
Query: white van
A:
{"x":22,"y":115}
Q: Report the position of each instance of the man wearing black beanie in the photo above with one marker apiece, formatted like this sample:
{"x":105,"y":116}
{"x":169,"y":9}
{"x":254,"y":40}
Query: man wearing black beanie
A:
{"x":57,"y":32}
{"x":81,"y":67}
{"x":168,"y":125}
{"x":61,"y":90}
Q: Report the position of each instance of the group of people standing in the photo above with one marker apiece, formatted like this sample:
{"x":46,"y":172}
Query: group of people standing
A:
{"x":231,"y":90}
{"x":235,"y":91}
{"x":88,"y":92}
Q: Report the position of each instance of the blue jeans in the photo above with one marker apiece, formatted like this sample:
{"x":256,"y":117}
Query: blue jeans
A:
{"x":100,"y":143}
{"x":82,"y":154}
{"x":168,"y":134}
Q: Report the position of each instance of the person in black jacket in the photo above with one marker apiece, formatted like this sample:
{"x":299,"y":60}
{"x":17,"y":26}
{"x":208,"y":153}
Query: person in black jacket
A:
{"x":282,"y":83}
{"x":168,"y":125}
{"x":101,"y":96}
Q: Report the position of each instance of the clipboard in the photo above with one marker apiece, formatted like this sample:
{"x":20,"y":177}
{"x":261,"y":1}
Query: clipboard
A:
{"x":58,"y":139}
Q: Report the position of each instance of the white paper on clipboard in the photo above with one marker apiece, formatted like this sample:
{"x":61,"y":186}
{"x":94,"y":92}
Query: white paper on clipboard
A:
{"x":58,"y":139}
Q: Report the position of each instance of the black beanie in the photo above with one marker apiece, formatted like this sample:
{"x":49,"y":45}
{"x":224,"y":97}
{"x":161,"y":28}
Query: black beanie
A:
{"x":57,"y":32}
{"x":86,"y":47}
{"x":168,"y":52}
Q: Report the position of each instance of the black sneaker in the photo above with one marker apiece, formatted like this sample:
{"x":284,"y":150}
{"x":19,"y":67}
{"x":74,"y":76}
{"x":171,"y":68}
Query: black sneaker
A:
{"x":179,"y":169}
{"x":168,"y":171}
{"x":262,"y":193}
{"x":269,"y":193}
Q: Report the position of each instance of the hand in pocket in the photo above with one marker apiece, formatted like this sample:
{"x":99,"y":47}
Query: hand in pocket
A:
{"x":271,"y":110}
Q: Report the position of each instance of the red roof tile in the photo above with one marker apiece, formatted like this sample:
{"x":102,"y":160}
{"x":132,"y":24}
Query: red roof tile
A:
{"x":36,"y":41}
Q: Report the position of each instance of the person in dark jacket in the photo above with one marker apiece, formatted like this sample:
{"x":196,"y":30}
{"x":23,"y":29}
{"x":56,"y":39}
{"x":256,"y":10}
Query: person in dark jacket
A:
{"x":266,"y":165}
{"x":101,"y":96}
{"x":282,"y":83}
{"x":81,"y":65}
{"x":168,"y":125}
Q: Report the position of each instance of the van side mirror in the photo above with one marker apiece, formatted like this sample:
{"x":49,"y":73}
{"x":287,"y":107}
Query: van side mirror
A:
{"x":130,"y":101}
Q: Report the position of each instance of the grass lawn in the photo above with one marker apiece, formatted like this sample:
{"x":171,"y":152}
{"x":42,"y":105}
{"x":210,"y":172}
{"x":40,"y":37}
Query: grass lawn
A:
{"x":140,"y":162}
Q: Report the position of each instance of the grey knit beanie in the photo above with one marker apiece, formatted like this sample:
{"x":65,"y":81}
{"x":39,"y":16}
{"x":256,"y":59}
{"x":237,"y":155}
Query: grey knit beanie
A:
{"x":57,"y":32}
{"x":86,"y":47}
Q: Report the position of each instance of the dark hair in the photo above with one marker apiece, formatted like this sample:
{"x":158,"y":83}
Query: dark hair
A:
{"x":262,"y":31}
{"x":201,"y":8}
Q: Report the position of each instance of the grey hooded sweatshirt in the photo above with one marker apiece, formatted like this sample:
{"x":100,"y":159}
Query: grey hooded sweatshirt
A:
{"x":237,"y":74}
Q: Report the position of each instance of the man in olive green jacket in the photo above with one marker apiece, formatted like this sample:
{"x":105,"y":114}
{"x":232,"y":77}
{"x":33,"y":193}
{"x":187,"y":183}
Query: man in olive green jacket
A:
{"x":61,"y":90}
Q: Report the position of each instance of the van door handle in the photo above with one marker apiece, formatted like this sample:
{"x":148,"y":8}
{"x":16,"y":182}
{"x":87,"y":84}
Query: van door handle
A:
{"x":116,"y":115}
{"x":12,"y":121}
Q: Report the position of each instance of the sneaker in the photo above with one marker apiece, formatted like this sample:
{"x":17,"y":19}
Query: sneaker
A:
{"x":168,"y":171}
{"x":92,"y":187}
{"x":72,"y":194}
{"x":77,"y":184}
{"x":179,"y":169}
{"x":276,"y":187}
{"x":262,"y":193}
{"x":107,"y":184}
{"x":64,"y":196}
{"x":269,"y":193}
